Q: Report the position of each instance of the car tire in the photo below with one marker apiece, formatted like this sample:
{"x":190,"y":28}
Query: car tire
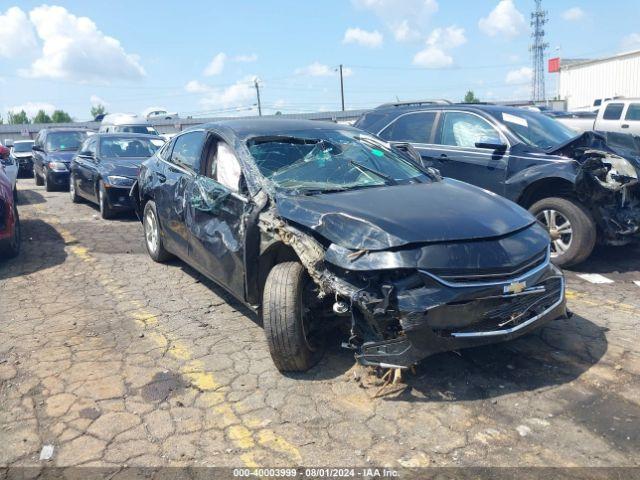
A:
{"x":47,"y":184}
{"x":152,"y":234}
{"x":283,"y":316}
{"x":106,"y":212}
{"x":11,"y":246}
{"x":37,"y":178}
{"x":72,"y":190}
{"x":570,"y":248}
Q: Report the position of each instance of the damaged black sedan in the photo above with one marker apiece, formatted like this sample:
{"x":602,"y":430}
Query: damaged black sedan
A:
{"x":312,"y":223}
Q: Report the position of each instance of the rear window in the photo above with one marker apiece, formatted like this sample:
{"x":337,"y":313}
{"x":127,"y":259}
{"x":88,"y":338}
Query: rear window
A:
{"x":633,"y":112}
{"x":613,"y":111}
{"x":412,"y":127}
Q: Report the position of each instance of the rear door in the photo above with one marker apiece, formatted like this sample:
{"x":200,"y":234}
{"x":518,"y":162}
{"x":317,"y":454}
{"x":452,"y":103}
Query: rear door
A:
{"x":175,"y":180}
{"x":471,"y":149}
{"x":611,"y":118}
{"x":216,"y":218}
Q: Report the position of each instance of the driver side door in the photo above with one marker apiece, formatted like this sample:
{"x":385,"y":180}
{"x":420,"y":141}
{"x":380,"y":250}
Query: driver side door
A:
{"x":216,"y":219}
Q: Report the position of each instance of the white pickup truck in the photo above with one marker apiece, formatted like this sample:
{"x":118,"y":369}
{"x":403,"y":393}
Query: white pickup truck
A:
{"x":620,"y":115}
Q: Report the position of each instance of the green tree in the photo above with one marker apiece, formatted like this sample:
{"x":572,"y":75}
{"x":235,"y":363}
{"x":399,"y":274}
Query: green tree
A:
{"x":98,"y":110}
{"x":470,"y":97}
{"x":16,"y":118}
{"x":60,"y":116}
{"x":41,"y":117}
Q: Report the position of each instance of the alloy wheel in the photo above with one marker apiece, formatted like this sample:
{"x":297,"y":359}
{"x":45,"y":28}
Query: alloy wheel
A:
{"x":151,"y":230}
{"x":560,"y":230}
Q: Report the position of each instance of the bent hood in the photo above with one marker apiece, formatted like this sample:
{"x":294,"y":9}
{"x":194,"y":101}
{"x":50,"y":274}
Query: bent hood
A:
{"x":387,"y":217}
{"x":122,"y":167}
{"x":622,"y":144}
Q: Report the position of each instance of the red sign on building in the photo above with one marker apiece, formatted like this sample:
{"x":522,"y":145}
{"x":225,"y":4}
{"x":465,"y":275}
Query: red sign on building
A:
{"x":554,"y":65}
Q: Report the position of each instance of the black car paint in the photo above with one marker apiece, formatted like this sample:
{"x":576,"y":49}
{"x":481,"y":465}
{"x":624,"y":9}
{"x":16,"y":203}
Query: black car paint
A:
{"x":88,"y":170}
{"x":520,"y":171}
{"x":368,"y":246}
{"x":42,"y":157}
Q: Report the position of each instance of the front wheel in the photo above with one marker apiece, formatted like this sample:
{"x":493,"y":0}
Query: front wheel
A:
{"x":291,"y":331}
{"x":571,"y":227}
{"x":153,"y":239}
{"x":72,"y":189}
{"x":12,"y":245}
{"x":106,"y":211}
{"x":47,"y":184}
{"x":37,"y":178}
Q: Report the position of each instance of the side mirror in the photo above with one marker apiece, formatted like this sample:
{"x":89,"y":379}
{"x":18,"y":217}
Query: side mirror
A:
{"x":37,"y":148}
{"x":409,"y":150}
{"x":492,"y":144}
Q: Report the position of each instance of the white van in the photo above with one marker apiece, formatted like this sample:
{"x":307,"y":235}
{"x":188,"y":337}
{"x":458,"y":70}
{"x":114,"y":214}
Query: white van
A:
{"x":126,"y":123}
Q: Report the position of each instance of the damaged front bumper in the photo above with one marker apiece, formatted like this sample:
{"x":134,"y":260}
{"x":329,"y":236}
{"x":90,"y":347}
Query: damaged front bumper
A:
{"x":440,"y":315}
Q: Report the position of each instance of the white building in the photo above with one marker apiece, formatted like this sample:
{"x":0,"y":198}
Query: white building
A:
{"x":582,"y":82}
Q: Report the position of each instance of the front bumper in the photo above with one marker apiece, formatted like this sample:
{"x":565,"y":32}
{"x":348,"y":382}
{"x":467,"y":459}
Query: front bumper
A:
{"x":442,"y":316}
{"x":25,"y":164}
{"x":59,"y":178}
{"x":118,"y":197}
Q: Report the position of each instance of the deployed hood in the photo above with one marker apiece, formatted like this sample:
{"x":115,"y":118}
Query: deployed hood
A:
{"x":124,"y":167}
{"x":387,"y":217}
{"x":60,"y":156}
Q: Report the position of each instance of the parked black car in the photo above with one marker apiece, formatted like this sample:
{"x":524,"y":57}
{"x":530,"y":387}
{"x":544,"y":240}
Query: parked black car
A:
{"x":307,"y":222}
{"x":23,"y":156}
{"x":53,"y":150}
{"x":580,"y":187}
{"x":106,"y":166}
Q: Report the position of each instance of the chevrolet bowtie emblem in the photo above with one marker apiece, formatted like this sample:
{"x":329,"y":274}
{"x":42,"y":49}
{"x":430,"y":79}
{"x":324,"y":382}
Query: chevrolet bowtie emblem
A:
{"x":515,"y":287}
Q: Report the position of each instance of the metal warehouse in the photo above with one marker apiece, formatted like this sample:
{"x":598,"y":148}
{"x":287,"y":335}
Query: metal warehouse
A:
{"x":583,"y":82}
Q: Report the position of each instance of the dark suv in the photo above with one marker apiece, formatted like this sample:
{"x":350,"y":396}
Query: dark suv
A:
{"x":582,"y":188}
{"x":53,"y":150}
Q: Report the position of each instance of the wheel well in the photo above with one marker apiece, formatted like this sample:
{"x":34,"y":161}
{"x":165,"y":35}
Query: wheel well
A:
{"x":547,"y":187}
{"x":273,"y":255}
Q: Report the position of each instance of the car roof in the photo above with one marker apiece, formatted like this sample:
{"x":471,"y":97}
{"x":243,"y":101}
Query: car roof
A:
{"x":247,"y":128}
{"x":66,"y":129}
{"x":23,"y":141}
{"x":125,"y":135}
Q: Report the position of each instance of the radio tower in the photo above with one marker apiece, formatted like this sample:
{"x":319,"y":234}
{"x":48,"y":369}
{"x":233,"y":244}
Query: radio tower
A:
{"x":538,"y":49}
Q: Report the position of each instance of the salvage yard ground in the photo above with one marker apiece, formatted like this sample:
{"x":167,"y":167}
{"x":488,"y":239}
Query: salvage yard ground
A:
{"x":113,"y":359}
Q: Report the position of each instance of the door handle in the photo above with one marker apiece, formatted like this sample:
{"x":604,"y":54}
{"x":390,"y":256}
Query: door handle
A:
{"x":625,"y":126}
{"x":161,"y":177}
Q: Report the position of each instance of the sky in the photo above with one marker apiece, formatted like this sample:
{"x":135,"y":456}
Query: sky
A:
{"x":202,"y":58}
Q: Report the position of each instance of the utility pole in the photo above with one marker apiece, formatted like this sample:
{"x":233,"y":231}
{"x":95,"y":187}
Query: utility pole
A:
{"x":538,"y":48}
{"x":341,"y":87}
{"x":255,"y":82}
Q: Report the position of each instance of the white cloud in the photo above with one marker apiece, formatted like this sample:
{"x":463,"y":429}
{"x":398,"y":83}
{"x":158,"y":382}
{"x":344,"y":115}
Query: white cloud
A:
{"x":436,"y":54}
{"x":236,"y":95}
{"x":74,"y":48}
{"x":247,"y":58}
{"x":363,"y":37}
{"x":519,"y":76}
{"x":96,"y":100}
{"x":573,"y":14}
{"x":194,"y":86}
{"x":631,"y":42}
{"x":32,"y":108}
{"x":216,"y":65}
{"x":317,"y":69}
{"x":16,"y":34}
{"x":405,"y":18}
{"x":505,"y":20}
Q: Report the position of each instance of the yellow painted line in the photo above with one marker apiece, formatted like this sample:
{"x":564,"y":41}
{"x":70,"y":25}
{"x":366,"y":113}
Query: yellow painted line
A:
{"x":245,"y":433}
{"x":582,"y":297}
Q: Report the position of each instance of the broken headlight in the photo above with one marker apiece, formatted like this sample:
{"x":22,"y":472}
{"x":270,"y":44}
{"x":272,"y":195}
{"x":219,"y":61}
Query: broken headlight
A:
{"x":620,"y":167}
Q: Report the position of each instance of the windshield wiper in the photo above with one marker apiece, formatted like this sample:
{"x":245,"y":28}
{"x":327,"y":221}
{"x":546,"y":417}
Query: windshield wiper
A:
{"x":390,"y":180}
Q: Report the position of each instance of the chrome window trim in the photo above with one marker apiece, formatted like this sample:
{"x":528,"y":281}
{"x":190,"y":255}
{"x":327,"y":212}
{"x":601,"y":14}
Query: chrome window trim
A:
{"x":496,"y":333}
{"x":520,"y":278}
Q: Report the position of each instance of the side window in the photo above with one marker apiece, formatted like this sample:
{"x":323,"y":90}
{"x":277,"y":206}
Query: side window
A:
{"x":412,"y":127}
{"x":165,"y":152}
{"x":462,"y":129}
{"x":225,"y":167}
{"x":613,"y":111}
{"x":633,"y":112}
{"x":597,"y":103}
{"x":187,"y":150}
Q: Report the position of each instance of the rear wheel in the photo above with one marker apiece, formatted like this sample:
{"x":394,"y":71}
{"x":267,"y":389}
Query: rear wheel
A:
{"x":37,"y":178}
{"x":153,"y":239}
{"x":292,"y":333}
{"x":571,"y":227}
{"x":11,"y":247}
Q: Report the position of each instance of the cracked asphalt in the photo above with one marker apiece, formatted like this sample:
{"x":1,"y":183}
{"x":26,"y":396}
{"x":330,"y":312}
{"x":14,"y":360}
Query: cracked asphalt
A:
{"x":114,"y":359}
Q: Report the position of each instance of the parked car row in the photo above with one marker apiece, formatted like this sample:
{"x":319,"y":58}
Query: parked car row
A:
{"x":404,"y":232}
